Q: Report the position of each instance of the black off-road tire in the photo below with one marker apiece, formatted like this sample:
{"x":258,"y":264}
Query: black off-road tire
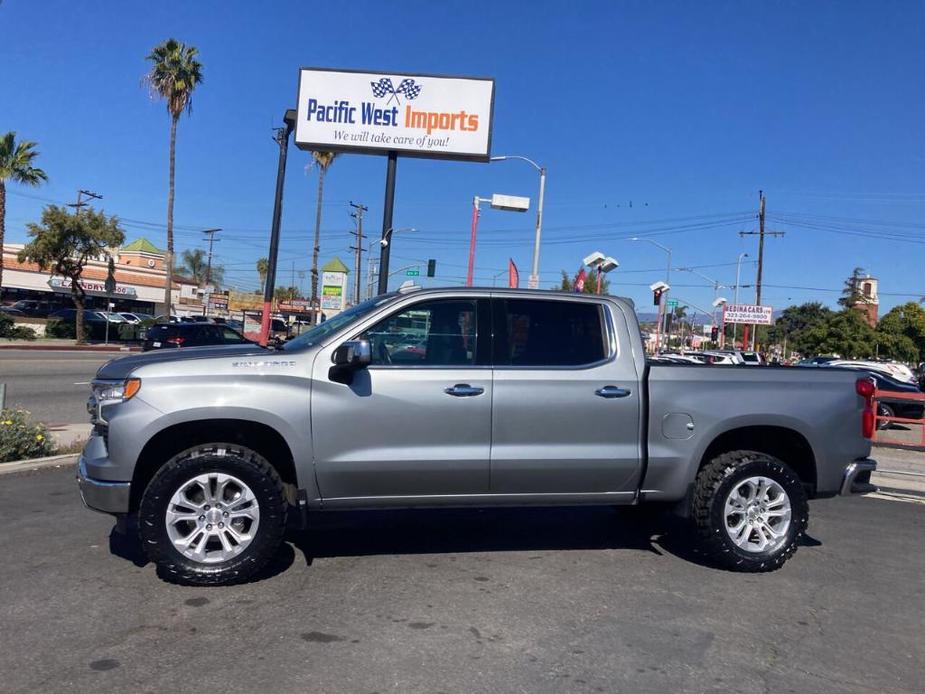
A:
{"x":230,"y":458}
{"x":714,"y":483}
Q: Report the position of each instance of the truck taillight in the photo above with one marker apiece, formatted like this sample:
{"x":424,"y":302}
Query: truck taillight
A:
{"x":178,"y":341}
{"x":865,"y":387}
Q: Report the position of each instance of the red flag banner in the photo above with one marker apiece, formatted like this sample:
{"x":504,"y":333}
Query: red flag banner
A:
{"x":579,"y":285}
{"x":513,"y":277}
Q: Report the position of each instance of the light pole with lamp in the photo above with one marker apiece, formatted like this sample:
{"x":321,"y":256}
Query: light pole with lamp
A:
{"x":534,"y":281}
{"x":664,"y":296}
{"x":717,"y":302}
{"x":383,"y":242}
{"x":511,"y":203}
{"x":603,"y":264}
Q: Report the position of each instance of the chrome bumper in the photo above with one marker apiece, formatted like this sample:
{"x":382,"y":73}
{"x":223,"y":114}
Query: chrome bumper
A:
{"x":856,"y":479}
{"x":106,"y":497}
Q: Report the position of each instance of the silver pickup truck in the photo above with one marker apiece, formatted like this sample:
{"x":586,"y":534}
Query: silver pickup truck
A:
{"x":463,"y":397}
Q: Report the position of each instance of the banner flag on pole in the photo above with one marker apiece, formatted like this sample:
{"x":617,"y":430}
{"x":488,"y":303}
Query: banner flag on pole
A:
{"x":513,"y":277}
{"x":579,"y":285}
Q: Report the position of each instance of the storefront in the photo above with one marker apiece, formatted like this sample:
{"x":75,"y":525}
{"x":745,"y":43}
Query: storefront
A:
{"x":139,"y":275}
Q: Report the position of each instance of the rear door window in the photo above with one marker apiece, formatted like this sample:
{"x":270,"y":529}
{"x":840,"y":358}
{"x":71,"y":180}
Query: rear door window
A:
{"x":549,"y":333}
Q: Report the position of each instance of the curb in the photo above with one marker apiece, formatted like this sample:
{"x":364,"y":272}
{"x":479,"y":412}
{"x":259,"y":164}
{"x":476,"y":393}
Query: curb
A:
{"x":38,"y":463}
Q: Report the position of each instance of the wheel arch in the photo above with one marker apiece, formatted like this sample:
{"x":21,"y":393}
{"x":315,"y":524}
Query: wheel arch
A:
{"x":784,"y":443}
{"x":179,"y":437}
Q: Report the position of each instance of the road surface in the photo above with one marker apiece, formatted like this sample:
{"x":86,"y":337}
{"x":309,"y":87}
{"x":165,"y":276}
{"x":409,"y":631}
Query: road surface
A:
{"x":532,"y":601}
{"x":53,"y":386}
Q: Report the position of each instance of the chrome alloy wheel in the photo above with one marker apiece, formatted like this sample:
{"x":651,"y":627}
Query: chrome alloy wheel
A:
{"x":757,"y":514}
{"x":212,"y":518}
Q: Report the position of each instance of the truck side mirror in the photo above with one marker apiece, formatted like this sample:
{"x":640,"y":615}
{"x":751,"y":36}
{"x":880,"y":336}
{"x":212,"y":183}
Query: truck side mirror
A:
{"x":353,"y":354}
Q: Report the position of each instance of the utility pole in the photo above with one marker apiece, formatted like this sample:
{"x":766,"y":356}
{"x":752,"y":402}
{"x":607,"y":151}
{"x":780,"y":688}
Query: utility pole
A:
{"x":358,"y":259}
{"x":80,"y":193}
{"x":761,"y":234}
{"x":206,"y":289}
{"x":211,"y":233}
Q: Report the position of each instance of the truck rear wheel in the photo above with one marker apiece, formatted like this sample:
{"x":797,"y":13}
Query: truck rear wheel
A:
{"x":750,"y":511}
{"x":212,"y":515}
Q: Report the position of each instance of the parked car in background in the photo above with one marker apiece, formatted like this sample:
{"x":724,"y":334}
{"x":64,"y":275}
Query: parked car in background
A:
{"x":175,"y":335}
{"x":900,"y":372}
{"x":721,"y":358}
{"x":136,"y":317}
{"x":112,"y":317}
{"x":166,"y":319}
{"x":815,"y":361}
{"x":35,"y":308}
{"x":70,"y":315}
{"x":10,"y":311}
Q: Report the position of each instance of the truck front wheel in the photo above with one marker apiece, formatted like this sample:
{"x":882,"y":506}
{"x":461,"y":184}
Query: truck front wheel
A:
{"x":750,"y":511}
{"x":212,"y":515}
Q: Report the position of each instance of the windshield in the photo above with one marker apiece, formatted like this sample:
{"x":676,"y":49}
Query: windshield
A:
{"x":320,"y":332}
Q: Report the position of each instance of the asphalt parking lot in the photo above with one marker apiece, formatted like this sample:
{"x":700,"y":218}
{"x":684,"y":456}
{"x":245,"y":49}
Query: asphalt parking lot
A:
{"x":543,"y":600}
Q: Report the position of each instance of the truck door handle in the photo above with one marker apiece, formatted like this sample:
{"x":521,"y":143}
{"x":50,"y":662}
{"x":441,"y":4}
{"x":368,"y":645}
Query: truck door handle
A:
{"x":612,"y":392}
{"x":463,"y":390}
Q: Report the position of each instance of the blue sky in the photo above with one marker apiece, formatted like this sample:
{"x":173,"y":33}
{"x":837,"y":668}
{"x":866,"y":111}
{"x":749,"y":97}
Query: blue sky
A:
{"x":660,"y":118}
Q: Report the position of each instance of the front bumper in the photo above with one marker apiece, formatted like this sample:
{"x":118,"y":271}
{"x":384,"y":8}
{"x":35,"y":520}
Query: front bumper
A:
{"x":856,"y":479}
{"x":100,"y":495}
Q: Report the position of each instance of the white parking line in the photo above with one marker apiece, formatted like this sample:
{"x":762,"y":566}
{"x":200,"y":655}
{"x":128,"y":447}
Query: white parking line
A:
{"x":888,"y":496}
{"x":82,"y":383}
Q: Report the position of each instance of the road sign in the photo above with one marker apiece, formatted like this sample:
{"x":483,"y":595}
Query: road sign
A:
{"x":412,"y":273}
{"x":750,"y":314}
{"x":672,"y":303}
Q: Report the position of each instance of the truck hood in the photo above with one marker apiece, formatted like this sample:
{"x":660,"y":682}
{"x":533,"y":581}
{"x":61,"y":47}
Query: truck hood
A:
{"x":122,"y":367}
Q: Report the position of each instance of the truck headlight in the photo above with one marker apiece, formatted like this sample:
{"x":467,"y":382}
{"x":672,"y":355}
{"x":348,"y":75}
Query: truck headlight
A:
{"x":111,"y":392}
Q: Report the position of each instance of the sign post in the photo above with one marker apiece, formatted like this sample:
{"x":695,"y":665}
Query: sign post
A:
{"x":419,"y":115}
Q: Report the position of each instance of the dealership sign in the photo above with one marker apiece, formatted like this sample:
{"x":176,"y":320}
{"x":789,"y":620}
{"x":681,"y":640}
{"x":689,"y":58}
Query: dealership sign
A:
{"x":750,"y":314}
{"x":59,"y":284}
{"x":379,"y":112}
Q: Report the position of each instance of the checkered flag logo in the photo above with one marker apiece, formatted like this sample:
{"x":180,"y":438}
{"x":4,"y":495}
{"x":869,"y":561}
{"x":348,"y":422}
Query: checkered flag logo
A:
{"x":406,"y":87}
{"x":409,"y":89}
{"x":382,"y":88}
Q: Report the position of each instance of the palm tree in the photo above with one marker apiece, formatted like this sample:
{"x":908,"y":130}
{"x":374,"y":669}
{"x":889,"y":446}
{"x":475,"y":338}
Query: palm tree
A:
{"x":323,"y":161}
{"x":263,"y":267}
{"x":194,"y":264}
{"x":175,"y":73}
{"x":15,"y":165}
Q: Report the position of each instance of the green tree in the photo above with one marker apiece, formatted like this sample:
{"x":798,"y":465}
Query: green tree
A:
{"x":263,"y":267}
{"x":568,"y":284}
{"x":793,"y":322}
{"x":844,"y":333}
{"x":15,"y":165}
{"x":65,"y":242}
{"x":901,"y":332}
{"x":196,"y":265}
{"x":286,"y":293}
{"x":174,"y":75}
{"x":323,"y":161}
{"x":851,"y":293}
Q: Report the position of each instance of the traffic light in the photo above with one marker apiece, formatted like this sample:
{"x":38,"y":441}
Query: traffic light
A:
{"x":431,"y":267}
{"x":657,"y":296}
{"x":714,"y":333}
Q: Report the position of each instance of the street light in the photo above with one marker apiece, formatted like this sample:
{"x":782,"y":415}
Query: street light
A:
{"x":382,"y":242}
{"x":603,"y":264}
{"x":667,"y":281}
{"x":510,"y":203}
{"x":534,"y":281}
{"x":717,"y":302}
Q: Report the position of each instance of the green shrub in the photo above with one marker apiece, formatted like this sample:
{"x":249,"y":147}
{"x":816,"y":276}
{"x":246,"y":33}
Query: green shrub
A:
{"x":11,"y":331}
{"x":55,"y":327}
{"x":21,"y":439}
